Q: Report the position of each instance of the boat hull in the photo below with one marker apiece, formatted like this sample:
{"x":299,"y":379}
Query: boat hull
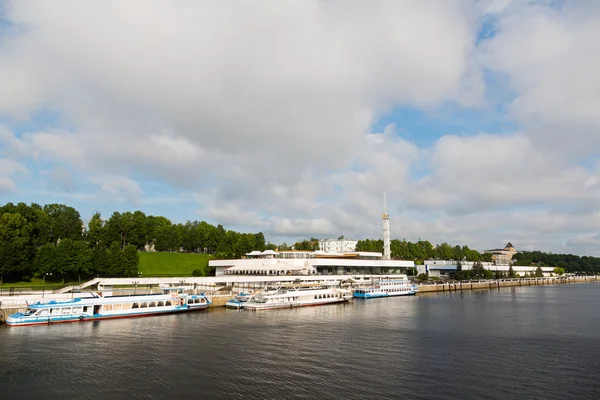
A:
{"x":379,"y":295}
{"x":275,"y":306}
{"x":13,"y":322}
{"x":235,"y":304}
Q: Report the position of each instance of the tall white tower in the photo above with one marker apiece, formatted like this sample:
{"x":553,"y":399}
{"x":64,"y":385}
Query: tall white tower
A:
{"x":386,"y":230}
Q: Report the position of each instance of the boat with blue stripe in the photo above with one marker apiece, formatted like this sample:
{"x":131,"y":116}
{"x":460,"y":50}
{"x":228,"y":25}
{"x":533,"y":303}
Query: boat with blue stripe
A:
{"x":97,"y":307}
{"x":387,"y":288}
{"x":238,"y":300}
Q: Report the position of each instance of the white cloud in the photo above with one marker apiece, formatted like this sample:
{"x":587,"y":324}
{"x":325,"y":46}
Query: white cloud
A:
{"x":264,"y":110}
{"x":550,"y":55}
{"x":7,"y":169}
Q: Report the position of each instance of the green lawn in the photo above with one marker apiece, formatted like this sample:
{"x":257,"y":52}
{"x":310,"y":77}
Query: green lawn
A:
{"x":171,"y":264}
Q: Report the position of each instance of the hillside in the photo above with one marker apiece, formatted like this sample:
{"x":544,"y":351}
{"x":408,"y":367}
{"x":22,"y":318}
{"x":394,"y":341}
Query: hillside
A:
{"x":172,"y":264}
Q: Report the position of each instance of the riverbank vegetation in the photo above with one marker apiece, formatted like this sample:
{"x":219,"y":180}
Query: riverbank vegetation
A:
{"x":52,"y":243}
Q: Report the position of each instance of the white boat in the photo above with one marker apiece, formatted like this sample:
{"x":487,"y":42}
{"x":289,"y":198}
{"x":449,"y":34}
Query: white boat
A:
{"x":173,"y":300}
{"x":239,"y":300}
{"x":296,"y":297}
{"x":387,"y":288}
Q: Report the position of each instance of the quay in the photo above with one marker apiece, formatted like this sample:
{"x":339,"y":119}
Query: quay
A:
{"x":223,"y":288}
{"x":502,"y":283}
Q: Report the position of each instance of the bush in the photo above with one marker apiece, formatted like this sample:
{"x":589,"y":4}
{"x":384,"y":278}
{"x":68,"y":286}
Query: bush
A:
{"x":197,"y":272}
{"x":423,"y":277}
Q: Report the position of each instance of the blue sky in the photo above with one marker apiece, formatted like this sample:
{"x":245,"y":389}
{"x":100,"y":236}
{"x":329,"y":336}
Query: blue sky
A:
{"x":479,"y":121}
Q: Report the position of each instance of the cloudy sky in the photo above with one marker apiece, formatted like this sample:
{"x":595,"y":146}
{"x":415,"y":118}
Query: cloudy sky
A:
{"x":480,"y":119}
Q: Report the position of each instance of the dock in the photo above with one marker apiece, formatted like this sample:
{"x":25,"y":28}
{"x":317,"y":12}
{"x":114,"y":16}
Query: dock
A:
{"x":222,"y":289}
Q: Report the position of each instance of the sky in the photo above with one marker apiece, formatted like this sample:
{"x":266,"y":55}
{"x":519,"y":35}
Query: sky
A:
{"x":479,"y":119}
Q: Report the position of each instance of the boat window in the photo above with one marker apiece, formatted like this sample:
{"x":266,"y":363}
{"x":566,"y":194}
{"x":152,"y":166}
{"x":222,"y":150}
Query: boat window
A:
{"x":135,"y":305}
{"x":85,"y":308}
{"x":143,"y":305}
{"x":160,"y":304}
{"x":66,"y":310}
{"x":167,"y":303}
{"x":29,"y":311}
{"x":196,"y":300}
{"x":107,"y":307}
{"x":190,"y":301}
{"x":77,"y":310}
{"x":43,"y":312}
{"x":152,"y":304}
{"x":116,"y":307}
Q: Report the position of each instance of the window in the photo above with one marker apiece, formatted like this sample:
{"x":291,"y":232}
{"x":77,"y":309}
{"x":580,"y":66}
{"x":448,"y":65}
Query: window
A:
{"x":116,"y":307}
{"x":144,"y":305}
{"x":107,"y":307}
{"x":135,"y":305}
{"x":168,"y":303}
{"x":160,"y":304}
{"x":66,"y":310}
{"x":152,"y":304}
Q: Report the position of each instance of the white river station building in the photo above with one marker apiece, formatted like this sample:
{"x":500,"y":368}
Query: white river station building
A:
{"x":270,"y":262}
{"x":338,"y":257}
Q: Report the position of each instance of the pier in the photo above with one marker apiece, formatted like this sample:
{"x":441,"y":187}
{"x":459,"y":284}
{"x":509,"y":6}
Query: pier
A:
{"x":222,"y":289}
{"x":502,"y":283}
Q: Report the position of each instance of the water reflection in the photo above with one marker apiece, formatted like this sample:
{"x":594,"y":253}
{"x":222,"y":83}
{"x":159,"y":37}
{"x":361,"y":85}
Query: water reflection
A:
{"x":444,"y":345}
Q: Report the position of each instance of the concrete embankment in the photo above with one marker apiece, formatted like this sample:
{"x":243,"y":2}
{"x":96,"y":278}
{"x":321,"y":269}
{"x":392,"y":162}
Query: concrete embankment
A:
{"x":500,"y":283}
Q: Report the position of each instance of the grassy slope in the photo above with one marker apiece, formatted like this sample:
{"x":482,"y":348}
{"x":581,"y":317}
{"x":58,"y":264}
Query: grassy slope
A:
{"x":171,"y":264}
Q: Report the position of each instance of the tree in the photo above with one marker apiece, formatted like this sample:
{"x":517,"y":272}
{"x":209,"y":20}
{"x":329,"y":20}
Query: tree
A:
{"x":511,"y":272}
{"x":95,"y":233}
{"x":559,"y":271}
{"x":16,"y":249}
{"x":65,"y":222}
{"x":538,"y":272}
{"x":477,"y":270}
{"x":73,"y":258}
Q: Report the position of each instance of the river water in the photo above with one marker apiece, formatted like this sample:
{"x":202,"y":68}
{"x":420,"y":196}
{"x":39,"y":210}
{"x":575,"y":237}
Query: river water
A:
{"x":514,"y":343}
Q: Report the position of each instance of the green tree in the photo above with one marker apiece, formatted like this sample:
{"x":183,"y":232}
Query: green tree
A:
{"x":65,"y":222}
{"x":511,"y":272}
{"x":16,"y":249}
{"x":95,"y":232}
{"x":559,"y":270}
{"x":538,"y":272}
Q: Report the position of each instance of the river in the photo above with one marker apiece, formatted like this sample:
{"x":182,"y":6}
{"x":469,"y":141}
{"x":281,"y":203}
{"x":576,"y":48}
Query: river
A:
{"x":537,"y":342}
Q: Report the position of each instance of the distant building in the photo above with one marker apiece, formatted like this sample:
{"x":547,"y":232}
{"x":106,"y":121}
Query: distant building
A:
{"x":445,"y":268}
{"x":337,"y":246}
{"x":502,"y":256}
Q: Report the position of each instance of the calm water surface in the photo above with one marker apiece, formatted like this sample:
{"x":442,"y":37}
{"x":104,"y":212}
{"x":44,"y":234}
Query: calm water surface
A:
{"x":517,"y":343}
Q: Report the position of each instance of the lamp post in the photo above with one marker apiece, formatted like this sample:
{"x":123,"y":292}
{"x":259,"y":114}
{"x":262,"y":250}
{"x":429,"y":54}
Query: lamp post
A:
{"x":45,"y":275}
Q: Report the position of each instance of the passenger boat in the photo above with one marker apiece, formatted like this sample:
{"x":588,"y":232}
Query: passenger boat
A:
{"x":296,"y":297}
{"x":239,"y":300}
{"x":172,"y":300}
{"x":387,"y":288}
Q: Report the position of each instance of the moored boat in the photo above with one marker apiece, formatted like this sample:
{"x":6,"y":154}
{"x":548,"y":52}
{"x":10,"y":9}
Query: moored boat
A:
{"x":296,"y":297}
{"x":387,"y":288}
{"x":173,"y":300}
{"x":238,"y":300}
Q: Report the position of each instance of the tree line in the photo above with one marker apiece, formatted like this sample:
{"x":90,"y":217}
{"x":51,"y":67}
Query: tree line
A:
{"x":423,"y":250}
{"x":51,"y":241}
{"x":569,"y":262}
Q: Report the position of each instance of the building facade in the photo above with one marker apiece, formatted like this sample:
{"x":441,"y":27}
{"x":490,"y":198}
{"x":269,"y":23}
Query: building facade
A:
{"x":337,"y":246}
{"x":310,"y":263}
{"x":503,"y":256}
